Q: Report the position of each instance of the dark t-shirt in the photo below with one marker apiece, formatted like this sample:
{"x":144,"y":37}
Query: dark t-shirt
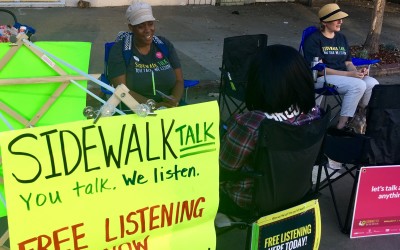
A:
{"x":333,"y":52}
{"x":146,"y":73}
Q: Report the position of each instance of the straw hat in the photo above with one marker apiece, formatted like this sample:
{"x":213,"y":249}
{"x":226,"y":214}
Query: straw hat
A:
{"x":139,"y":12}
{"x":331,"y":12}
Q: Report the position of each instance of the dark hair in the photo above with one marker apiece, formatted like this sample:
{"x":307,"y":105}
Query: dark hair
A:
{"x":279,"y":77}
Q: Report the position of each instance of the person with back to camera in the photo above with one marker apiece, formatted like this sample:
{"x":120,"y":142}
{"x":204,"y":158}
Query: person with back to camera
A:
{"x":332,"y":49}
{"x":149,"y":69}
{"x":280,"y":87}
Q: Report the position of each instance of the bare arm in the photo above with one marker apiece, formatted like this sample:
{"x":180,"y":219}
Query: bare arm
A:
{"x":351,"y":71}
{"x":177,"y":91}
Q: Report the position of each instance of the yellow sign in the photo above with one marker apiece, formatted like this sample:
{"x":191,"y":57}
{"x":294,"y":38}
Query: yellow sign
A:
{"x":125,"y":182}
{"x":298,"y":227}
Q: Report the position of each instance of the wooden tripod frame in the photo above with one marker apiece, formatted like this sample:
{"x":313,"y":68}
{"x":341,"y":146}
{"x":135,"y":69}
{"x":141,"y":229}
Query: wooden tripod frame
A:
{"x":63,"y":77}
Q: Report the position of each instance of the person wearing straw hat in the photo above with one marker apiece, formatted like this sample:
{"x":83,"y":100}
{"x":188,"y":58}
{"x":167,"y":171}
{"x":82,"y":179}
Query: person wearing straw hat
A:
{"x":331,"y":47}
{"x":153,"y":70}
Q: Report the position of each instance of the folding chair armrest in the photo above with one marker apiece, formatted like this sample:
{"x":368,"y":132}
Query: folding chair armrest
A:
{"x":319,"y":67}
{"x":361,"y":61}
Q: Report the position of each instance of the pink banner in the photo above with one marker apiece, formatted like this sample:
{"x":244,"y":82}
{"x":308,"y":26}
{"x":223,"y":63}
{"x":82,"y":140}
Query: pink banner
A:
{"x":376,"y":208}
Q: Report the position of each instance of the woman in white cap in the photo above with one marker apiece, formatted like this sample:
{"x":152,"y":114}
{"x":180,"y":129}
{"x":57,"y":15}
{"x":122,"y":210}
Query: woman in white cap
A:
{"x":331,"y":47}
{"x":153,"y":70}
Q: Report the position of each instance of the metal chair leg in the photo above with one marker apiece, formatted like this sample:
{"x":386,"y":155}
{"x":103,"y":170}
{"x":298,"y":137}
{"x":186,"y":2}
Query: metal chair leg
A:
{"x":333,"y":197}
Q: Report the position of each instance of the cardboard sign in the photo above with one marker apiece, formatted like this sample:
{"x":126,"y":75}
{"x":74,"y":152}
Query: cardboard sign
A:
{"x":126,"y":182}
{"x":295,"y":228}
{"x":376,"y":209}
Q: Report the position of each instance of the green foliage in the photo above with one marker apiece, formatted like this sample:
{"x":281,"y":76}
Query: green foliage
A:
{"x":362,"y":54}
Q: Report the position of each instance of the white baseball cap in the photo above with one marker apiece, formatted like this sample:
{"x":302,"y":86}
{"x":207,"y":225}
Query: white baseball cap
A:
{"x":139,"y":12}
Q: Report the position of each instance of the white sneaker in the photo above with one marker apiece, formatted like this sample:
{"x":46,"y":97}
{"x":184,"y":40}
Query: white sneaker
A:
{"x":334,"y":164}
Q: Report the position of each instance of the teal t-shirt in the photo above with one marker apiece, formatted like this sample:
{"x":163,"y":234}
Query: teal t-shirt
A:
{"x":146,"y":73}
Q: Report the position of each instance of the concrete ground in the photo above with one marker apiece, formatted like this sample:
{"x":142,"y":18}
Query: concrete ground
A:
{"x":197,"y":32}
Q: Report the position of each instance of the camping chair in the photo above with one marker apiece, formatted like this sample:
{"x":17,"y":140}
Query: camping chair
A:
{"x":238,"y":52}
{"x":346,"y":148}
{"x":379,"y":146}
{"x":9,"y":32}
{"x":284,"y":160}
{"x":330,"y":89}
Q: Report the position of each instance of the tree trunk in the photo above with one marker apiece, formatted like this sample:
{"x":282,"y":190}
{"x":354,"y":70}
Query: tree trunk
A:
{"x":372,"y":42}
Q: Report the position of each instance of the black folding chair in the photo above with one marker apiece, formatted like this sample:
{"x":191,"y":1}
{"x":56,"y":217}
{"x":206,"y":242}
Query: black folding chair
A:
{"x":238,"y":51}
{"x":383,"y":125}
{"x":379,"y":146}
{"x":347,"y":148}
{"x":284,"y":159}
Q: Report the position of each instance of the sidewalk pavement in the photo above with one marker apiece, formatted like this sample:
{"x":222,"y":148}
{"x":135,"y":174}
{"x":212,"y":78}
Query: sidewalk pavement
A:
{"x":197,"y":31}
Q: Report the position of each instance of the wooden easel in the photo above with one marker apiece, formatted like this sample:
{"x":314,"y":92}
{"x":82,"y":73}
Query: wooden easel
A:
{"x":121,"y":94}
{"x":63,"y":77}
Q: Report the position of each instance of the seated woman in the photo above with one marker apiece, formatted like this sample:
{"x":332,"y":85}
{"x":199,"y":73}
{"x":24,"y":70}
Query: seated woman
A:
{"x":332,"y":49}
{"x":280,"y":87}
{"x":150,"y":69}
